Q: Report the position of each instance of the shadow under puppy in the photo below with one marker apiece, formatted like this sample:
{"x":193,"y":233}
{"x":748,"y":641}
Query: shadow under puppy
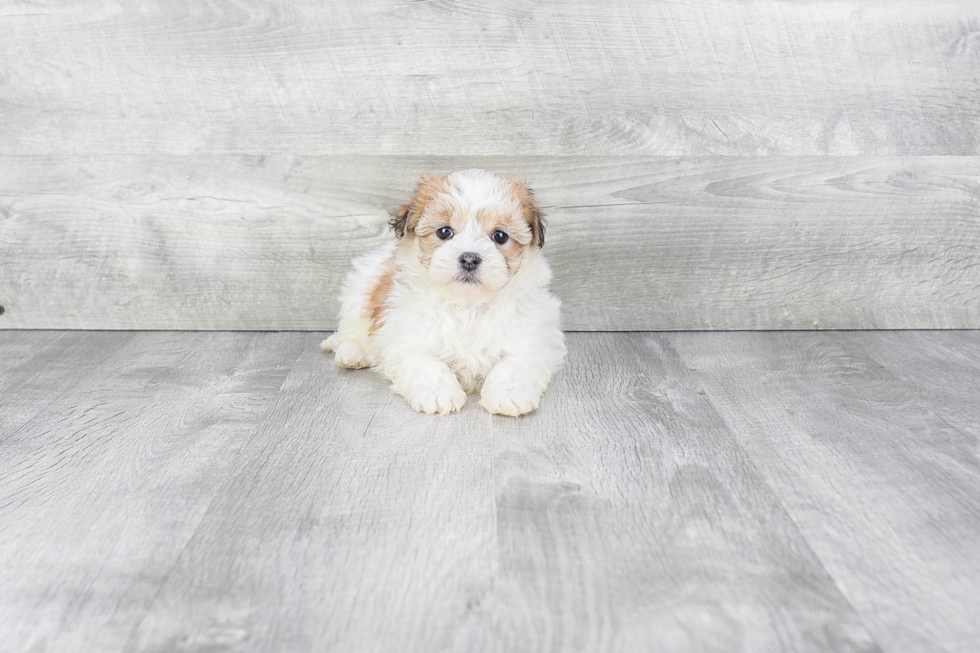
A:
{"x":459,"y":303}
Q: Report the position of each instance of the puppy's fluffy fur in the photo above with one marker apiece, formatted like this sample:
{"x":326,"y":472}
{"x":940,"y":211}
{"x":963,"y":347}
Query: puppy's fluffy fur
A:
{"x":460,"y":303}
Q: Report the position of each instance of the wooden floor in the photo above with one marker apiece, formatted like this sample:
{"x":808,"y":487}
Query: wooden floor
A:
{"x":780,"y":491}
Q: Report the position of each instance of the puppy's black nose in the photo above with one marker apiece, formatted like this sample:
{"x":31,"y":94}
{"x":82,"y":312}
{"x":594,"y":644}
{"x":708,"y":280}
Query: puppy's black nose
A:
{"x":469,"y":261}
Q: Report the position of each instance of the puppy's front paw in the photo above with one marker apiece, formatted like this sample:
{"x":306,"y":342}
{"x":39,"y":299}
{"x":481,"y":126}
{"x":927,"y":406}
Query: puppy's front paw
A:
{"x":506,"y":397}
{"x":442,"y":399}
{"x":349,"y":355}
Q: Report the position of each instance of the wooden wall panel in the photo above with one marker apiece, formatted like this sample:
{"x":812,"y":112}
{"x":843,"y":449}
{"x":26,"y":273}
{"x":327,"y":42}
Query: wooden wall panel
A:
{"x":706,"y":163}
{"x":263,"y":242}
{"x":454,"y":77}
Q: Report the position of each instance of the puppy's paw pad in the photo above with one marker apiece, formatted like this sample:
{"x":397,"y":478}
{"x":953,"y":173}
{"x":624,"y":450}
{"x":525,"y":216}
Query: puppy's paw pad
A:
{"x":350,"y":356}
{"x":512,"y":402}
{"x":331,"y":343}
{"x":442,"y":399}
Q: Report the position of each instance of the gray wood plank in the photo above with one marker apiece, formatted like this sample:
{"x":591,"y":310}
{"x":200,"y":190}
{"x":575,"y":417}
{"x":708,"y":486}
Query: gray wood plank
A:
{"x":456,"y":77}
{"x":24,"y":353}
{"x":39,"y":367}
{"x":108,"y":460}
{"x":242,"y":242}
{"x":352,"y":524}
{"x":884,"y":487}
{"x":941,"y":368}
{"x":620,"y":516}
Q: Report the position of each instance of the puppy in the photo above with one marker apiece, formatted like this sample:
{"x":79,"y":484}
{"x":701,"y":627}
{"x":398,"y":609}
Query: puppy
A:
{"x":459,"y":303}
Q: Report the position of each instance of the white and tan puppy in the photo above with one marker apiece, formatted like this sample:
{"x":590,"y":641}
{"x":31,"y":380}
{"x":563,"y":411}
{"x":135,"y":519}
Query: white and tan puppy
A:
{"x":460,"y":303}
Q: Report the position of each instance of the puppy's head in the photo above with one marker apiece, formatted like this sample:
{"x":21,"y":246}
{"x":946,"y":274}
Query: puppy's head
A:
{"x":472,"y":231}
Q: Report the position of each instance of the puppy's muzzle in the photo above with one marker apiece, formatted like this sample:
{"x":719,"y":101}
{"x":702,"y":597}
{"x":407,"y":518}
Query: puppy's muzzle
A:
{"x":469,"y":261}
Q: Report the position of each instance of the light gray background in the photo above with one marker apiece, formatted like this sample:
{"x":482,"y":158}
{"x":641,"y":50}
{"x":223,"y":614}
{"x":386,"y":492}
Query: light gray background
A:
{"x":705,"y":164}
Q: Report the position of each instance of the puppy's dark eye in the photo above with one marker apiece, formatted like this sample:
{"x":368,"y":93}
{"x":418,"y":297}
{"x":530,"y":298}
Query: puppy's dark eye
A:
{"x":499,"y":237}
{"x":444,"y":233}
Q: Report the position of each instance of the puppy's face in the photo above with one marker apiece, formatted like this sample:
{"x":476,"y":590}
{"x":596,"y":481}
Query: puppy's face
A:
{"x":472,"y":231}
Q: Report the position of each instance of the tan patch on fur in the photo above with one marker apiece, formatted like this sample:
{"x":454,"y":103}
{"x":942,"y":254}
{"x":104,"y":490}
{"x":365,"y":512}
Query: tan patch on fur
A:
{"x":513,"y":255}
{"x":407,"y":215}
{"x":530,"y":210}
{"x":378,"y":297}
{"x":521,"y":235}
{"x":439,"y":211}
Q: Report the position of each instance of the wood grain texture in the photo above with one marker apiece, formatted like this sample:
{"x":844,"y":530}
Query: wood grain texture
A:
{"x":263,"y":242}
{"x":215,"y":165}
{"x":354,"y":524}
{"x":631,"y":520}
{"x":682,"y":492}
{"x":621,"y":516}
{"x":112,"y":446}
{"x":885,"y":487}
{"x":858,"y":77}
{"x":938,"y":367}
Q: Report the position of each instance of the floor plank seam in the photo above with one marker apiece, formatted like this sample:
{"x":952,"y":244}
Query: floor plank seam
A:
{"x":754,"y":468}
{"x":229,"y":477}
{"x":823,"y":564}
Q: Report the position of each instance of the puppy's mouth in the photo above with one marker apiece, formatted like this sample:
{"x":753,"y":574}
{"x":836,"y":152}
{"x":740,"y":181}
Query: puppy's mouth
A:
{"x":467,"y":278}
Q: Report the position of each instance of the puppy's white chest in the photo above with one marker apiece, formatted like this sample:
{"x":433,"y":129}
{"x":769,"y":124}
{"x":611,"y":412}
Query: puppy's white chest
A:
{"x":473,"y":345}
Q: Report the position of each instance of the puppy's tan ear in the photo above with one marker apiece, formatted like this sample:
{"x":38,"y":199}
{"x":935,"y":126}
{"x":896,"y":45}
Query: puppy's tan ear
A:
{"x":407,"y":215}
{"x":531,"y":211}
